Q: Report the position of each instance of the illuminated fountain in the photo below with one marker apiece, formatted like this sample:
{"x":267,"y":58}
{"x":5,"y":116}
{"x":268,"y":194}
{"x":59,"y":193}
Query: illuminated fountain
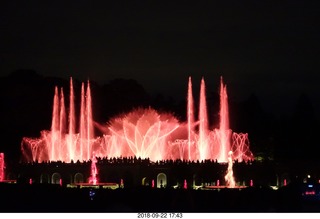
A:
{"x":143,"y":133}
{"x":93,"y":181}
{"x":229,"y":176}
{"x":2,"y":167}
{"x":203,"y":142}
{"x":216,"y":143}
{"x":190,"y":116}
{"x":185,"y":185}
{"x":60,"y":144}
{"x":94,"y":172}
{"x":3,"y":178}
{"x":213,"y":144}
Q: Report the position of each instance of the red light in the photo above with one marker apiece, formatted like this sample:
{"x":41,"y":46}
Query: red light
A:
{"x":310,"y":192}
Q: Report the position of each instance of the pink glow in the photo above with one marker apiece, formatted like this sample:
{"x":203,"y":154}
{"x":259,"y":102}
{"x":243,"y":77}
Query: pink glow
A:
{"x":89,"y":124}
{"x":71,"y":137}
{"x":94,"y":172}
{"x":60,"y":143}
{"x":2,"y":167}
{"x":218,"y":182}
{"x":55,"y":141}
{"x":143,"y":133}
{"x":251,"y":182}
{"x":152,"y":183}
{"x":224,"y":131}
{"x":72,"y":128}
{"x":185,"y":185}
{"x":60,"y":182}
{"x":203,"y":143}
{"x":30,"y":181}
{"x":190,"y":113}
{"x":310,"y":192}
{"x":285,"y":182}
{"x":229,"y":176}
{"x":82,"y":124}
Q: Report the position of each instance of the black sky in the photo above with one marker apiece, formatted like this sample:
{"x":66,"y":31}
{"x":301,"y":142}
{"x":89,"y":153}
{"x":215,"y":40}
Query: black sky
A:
{"x":270,"y":48}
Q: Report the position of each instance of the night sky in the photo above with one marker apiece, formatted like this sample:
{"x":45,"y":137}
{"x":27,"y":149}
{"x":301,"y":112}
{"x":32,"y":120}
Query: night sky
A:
{"x":269,"y":48}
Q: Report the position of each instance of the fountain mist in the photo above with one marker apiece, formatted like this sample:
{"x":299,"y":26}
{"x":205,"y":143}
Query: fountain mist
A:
{"x":143,"y":133}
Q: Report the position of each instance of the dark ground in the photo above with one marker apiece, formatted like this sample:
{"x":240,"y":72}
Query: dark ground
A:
{"x":54,"y":199}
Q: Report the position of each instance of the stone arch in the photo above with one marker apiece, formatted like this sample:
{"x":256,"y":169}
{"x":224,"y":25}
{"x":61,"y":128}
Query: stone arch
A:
{"x":11,"y":176}
{"x":161,"y":180}
{"x":145,"y":181}
{"x":78,"y":178}
{"x":55,"y":179}
{"x":44,"y":178}
{"x":196,"y":180}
